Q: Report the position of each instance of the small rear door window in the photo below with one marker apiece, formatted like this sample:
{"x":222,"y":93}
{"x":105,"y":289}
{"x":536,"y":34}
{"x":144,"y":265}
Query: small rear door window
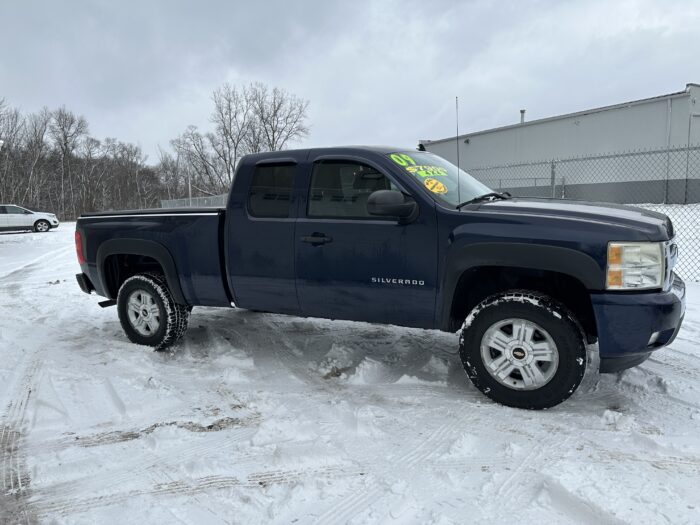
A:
{"x":270,"y":192}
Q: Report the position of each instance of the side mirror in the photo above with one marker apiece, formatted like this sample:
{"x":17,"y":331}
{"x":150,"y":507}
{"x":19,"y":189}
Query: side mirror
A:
{"x":392,"y":203}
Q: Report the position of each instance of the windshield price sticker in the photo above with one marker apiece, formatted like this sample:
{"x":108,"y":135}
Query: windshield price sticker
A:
{"x":407,"y":162}
{"x":435,"y":186}
{"x":427,"y":171}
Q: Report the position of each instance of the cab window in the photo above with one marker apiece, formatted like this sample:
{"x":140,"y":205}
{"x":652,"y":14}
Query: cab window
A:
{"x":340,"y":189}
{"x":270,"y":193}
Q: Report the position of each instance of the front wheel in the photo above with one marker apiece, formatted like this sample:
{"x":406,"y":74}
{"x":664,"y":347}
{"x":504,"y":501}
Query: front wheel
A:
{"x":148,"y":313}
{"x":523,"y":349}
{"x":42,"y":226}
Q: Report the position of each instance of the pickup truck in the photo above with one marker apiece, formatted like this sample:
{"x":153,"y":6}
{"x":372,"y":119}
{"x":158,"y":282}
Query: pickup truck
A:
{"x":385,"y":235}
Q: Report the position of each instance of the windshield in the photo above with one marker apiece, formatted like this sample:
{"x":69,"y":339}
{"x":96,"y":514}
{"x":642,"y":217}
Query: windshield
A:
{"x":442,"y":178}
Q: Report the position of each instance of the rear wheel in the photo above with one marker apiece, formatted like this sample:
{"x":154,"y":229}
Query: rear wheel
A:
{"x":148,"y":313}
{"x":42,"y":226}
{"x":523,"y":349}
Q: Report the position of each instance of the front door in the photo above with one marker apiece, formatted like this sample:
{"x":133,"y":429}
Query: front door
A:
{"x":18,"y":217}
{"x":351,"y":265}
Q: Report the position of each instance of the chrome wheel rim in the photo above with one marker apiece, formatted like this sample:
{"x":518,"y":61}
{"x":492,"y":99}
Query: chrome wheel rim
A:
{"x":144,"y":314}
{"x":42,"y":227}
{"x":519,"y":354}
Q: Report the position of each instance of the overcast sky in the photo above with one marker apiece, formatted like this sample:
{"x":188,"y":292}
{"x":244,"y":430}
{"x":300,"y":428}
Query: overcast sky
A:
{"x":375,"y":72}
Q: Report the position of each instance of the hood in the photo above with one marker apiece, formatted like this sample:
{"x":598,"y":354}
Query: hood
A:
{"x":656,"y":225}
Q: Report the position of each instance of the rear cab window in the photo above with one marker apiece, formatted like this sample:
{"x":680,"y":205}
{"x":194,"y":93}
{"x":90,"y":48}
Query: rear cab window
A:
{"x":270,"y":192}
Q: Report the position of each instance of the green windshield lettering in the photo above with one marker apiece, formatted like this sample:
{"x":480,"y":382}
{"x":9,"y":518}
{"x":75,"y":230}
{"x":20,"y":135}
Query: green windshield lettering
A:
{"x":402,"y":159}
{"x":441,"y":179}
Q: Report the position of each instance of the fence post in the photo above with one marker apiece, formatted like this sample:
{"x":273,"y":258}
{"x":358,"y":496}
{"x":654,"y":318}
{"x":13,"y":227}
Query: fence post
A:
{"x":563,"y":188}
{"x":553,"y":181}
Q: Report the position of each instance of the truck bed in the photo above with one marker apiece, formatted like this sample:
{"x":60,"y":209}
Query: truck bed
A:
{"x":154,"y":211}
{"x":192,"y":236}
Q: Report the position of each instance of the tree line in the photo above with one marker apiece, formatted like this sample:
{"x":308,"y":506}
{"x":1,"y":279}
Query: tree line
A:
{"x":50,"y":162}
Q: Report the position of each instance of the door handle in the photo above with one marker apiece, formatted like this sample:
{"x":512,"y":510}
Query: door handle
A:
{"x":316,"y":239}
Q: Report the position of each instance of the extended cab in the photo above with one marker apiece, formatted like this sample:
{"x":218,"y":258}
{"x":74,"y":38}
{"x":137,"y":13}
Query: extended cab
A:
{"x":402,"y":237}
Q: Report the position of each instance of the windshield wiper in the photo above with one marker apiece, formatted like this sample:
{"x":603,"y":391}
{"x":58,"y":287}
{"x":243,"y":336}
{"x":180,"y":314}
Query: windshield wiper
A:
{"x":486,"y":196}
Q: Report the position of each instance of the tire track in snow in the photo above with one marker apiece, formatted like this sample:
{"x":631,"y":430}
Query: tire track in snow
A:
{"x":28,"y":266}
{"x":343,"y":513}
{"x":139,"y":461}
{"x":256,"y":480}
{"x":16,"y":483}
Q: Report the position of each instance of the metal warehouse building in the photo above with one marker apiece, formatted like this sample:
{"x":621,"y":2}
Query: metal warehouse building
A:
{"x":639,"y":151}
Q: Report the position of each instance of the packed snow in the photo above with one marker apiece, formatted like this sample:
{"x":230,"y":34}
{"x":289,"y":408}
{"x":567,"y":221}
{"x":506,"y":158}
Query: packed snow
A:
{"x":259,"y":418}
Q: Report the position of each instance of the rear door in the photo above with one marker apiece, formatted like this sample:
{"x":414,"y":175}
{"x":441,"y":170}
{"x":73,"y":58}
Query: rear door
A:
{"x":260,"y":235}
{"x":351,"y":265}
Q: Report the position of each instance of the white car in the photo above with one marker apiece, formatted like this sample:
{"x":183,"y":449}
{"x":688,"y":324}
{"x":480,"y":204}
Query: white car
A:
{"x":17,"y":218}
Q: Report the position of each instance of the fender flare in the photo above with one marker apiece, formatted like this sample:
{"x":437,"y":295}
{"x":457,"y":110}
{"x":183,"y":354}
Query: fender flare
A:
{"x":567,"y":261}
{"x":152,"y":249}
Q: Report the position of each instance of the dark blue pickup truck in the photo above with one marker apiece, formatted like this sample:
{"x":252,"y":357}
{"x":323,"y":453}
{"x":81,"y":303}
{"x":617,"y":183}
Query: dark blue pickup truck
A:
{"x":402,"y":237}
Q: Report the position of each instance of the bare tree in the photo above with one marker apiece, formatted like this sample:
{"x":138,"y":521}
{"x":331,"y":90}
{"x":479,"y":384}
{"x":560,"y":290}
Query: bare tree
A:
{"x":36,"y":128}
{"x":200,"y":161}
{"x":232,"y":121}
{"x":246,"y":120}
{"x":280,"y":117}
{"x":170,"y":174}
{"x":11,"y":133}
{"x":49,"y":161}
{"x":67,"y":129}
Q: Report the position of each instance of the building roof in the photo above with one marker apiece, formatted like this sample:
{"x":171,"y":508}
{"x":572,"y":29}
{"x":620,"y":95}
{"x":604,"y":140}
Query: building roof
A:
{"x":567,"y":115}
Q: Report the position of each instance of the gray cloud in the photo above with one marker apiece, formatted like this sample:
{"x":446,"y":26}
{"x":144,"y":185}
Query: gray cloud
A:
{"x":375,"y":72}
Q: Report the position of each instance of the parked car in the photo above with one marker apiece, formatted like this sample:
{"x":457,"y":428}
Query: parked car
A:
{"x":402,"y":237}
{"x":17,"y":218}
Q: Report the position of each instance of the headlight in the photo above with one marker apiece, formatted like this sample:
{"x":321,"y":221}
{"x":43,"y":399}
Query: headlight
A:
{"x":635,"y":265}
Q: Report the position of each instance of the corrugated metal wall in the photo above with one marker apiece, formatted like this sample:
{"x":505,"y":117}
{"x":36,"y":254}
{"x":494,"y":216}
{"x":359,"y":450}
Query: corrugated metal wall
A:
{"x":663,"y":122}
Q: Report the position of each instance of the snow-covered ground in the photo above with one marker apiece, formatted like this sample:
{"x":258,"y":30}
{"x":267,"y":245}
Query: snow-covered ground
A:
{"x":259,"y":418}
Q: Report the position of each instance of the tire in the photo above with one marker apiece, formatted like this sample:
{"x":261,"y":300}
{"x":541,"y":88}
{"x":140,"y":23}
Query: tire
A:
{"x":42,"y":226}
{"x":523,"y":349}
{"x":148,"y":313}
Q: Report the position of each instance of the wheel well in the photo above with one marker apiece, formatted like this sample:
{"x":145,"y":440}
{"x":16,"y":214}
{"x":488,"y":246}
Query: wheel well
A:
{"x":119,"y":267}
{"x":476,"y":284}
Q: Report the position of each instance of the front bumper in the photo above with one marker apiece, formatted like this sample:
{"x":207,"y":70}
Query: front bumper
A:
{"x":627,"y":321}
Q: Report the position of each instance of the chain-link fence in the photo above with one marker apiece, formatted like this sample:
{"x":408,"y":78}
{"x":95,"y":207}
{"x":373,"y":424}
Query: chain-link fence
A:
{"x":215,"y":201}
{"x":664,"y":180}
